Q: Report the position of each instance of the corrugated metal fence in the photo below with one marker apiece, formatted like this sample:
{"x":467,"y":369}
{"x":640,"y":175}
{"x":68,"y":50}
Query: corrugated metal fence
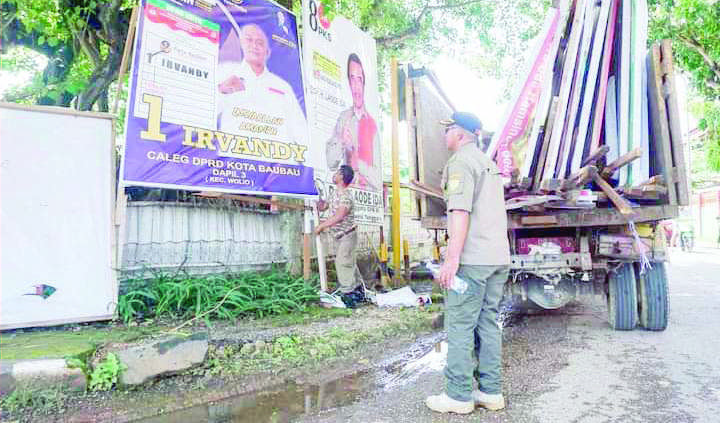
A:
{"x":204,"y":238}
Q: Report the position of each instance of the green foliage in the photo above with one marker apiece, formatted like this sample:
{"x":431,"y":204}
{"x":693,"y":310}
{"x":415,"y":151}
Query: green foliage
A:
{"x":694,"y":28}
{"x":708,"y":115}
{"x":35,"y":400}
{"x":105,"y":375}
{"x":217,"y":297}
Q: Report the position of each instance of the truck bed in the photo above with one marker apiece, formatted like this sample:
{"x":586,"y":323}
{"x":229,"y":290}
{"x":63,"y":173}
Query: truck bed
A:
{"x":573,"y":218}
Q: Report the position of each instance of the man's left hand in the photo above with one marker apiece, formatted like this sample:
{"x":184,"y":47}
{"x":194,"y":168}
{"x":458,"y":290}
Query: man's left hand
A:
{"x":319,"y":228}
{"x":447,"y":273}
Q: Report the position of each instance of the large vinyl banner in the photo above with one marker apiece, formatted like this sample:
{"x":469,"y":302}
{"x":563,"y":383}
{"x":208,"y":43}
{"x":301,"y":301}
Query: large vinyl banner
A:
{"x":217,"y":100}
{"x":343,"y":106}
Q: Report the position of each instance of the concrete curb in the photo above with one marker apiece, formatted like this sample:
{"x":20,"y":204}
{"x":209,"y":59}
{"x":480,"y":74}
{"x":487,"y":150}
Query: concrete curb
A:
{"x":40,"y":374}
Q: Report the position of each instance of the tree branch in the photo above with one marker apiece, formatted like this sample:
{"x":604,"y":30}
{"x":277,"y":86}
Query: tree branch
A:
{"x":698,"y":48}
{"x":414,"y":29}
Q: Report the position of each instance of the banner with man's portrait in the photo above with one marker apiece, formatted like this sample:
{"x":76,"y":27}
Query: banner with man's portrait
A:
{"x":217,"y":99}
{"x":343,"y":107}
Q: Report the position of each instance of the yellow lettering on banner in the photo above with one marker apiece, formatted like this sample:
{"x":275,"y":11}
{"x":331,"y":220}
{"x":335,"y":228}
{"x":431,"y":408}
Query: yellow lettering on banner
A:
{"x":282,"y":151}
{"x":224,"y":141}
{"x":205,"y":138}
{"x":241,"y":146}
{"x":262,"y":147}
{"x":189,"y":131}
{"x":298,"y":152}
{"x":153,"y":121}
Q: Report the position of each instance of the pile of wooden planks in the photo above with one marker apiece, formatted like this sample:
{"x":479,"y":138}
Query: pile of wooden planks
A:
{"x":595,"y":110}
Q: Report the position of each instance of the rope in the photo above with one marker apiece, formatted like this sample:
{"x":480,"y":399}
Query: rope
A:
{"x":641,"y":249}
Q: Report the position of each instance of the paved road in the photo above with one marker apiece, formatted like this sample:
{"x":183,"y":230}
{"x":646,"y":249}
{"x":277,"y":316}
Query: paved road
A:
{"x":570,"y":367}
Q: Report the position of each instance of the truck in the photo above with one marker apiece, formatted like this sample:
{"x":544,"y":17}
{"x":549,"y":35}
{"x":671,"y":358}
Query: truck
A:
{"x":585,"y":234}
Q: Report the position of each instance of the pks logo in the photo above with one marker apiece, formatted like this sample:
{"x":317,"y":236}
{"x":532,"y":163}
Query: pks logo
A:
{"x":317,"y":15}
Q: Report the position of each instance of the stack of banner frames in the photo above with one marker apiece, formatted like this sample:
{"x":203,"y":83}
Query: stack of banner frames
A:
{"x":605,"y":114}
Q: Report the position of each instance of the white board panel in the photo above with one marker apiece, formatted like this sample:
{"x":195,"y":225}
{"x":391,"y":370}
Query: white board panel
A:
{"x":56,"y":196}
{"x":611,"y":123}
{"x":588,"y":96}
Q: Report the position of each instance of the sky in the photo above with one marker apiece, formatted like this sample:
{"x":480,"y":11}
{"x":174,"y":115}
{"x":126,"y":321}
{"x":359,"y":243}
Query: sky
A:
{"x":470,"y":93}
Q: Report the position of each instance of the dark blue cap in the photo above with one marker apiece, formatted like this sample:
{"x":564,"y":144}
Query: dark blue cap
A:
{"x":465,"y":120}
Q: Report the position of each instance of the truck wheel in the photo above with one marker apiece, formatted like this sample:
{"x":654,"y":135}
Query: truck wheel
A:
{"x":653,"y":297}
{"x":622,"y":298}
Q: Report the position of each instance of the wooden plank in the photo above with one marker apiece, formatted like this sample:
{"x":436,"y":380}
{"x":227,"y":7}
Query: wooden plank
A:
{"x":604,"y":77}
{"x":570,"y":133}
{"x":582,"y":177}
{"x":621,"y":161}
{"x":527,"y":201}
{"x":623,"y":84}
{"x":596,"y":155}
{"x":597,"y":217}
{"x":549,"y":122}
{"x":655,"y":180}
{"x":546,"y":220}
{"x":619,"y":202}
{"x":418,"y":186}
{"x":571,"y":54}
{"x":676,"y":141}
{"x":579,"y":145}
{"x":581,"y":218}
{"x":662,"y":157}
{"x":551,"y":185}
{"x":129,"y":44}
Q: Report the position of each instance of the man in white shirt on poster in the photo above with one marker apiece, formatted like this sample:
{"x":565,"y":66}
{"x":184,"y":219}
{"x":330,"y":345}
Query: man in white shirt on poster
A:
{"x":248,"y":86}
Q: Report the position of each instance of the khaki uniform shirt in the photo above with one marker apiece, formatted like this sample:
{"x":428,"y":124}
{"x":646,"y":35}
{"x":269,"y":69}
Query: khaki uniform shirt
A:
{"x":472,"y":182}
{"x":336,"y":200}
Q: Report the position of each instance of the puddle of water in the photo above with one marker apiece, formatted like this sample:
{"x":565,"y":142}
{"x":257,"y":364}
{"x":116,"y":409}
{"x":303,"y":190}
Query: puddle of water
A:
{"x":286,"y":402}
{"x":280,"y":404}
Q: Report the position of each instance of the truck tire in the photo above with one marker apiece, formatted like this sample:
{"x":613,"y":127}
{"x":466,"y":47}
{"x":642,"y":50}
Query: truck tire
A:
{"x":622,"y":298}
{"x":652,"y":289}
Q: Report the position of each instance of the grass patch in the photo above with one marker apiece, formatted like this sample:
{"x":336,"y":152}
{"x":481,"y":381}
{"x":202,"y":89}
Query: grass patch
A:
{"x":63,"y":343}
{"x":36,"y":400}
{"x":309,"y":315}
{"x":292,"y":351}
{"x":257,"y":294}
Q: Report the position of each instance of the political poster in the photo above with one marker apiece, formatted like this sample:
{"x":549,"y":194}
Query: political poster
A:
{"x":343,"y":106}
{"x":217,"y":100}
{"x":509,"y":146}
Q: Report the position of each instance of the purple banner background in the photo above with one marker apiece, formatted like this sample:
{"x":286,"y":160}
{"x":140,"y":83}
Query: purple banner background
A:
{"x":138,"y":169}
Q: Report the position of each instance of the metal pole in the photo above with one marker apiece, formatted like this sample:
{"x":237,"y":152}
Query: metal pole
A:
{"x":397,"y":251}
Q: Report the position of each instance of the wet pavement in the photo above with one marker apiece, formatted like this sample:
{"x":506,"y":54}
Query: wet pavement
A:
{"x":559,"y":366}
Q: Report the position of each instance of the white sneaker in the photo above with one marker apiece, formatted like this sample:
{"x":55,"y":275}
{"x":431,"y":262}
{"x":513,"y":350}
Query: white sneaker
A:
{"x":444,"y":404}
{"x":490,"y":401}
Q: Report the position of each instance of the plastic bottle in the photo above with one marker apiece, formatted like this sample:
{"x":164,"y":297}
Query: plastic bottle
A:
{"x":459,"y":285}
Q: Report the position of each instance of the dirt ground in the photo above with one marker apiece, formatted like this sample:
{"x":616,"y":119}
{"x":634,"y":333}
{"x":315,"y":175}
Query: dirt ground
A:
{"x":348,"y":342}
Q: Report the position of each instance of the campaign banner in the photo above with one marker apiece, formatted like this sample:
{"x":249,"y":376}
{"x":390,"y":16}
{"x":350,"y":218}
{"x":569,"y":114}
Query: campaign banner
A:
{"x":344,"y":107}
{"x":510,"y":146}
{"x":217,"y":100}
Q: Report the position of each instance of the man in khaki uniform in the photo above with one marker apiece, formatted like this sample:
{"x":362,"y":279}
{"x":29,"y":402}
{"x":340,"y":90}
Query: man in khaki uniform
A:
{"x":479,"y":253}
{"x":341,"y":225}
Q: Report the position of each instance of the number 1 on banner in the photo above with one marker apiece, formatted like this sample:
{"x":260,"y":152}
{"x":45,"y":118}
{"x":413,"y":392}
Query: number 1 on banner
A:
{"x":153,"y":120}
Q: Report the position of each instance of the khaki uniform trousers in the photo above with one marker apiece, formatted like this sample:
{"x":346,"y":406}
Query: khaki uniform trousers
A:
{"x":474,"y":333}
{"x":346,"y":268}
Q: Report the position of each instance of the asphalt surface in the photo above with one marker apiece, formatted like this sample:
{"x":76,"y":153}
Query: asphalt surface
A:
{"x":570,"y":366}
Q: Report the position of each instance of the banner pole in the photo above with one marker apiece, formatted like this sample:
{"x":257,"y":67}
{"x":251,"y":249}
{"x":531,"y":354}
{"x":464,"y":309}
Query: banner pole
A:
{"x":307,"y":251}
{"x":397,"y":251}
{"x":126,"y":56}
{"x":320,"y":253}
